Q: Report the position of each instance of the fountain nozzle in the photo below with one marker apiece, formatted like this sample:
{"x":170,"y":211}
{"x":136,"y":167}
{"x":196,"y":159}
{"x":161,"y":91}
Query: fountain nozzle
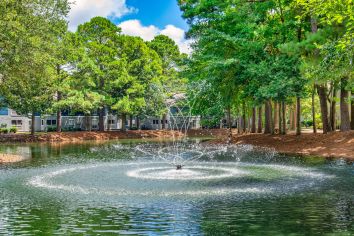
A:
{"x":178,"y":167}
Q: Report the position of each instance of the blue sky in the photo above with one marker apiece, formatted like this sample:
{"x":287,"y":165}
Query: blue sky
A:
{"x":143,"y":18}
{"x":156,"y":12}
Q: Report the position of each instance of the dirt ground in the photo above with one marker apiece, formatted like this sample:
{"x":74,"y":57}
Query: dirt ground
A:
{"x":10,"y":158}
{"x":335,"y":144}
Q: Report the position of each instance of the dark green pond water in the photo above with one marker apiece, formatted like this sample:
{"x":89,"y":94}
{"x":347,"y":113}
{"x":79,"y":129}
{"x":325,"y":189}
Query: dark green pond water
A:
{"x":115,"y":189}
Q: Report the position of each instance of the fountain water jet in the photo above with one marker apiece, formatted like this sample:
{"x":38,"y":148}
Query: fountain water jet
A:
{"x":179,"y":167}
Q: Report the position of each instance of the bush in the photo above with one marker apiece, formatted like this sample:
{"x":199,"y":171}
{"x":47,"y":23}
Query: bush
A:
{"x":4,"y":130}
{"x":307,"y":123}
{"x":71,"y":129}
{"x":51,"y":129}
{"x":13,"y":130}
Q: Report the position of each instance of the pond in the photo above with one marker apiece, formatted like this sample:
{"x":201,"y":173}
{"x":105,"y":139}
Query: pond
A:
{"x":133,"y":187}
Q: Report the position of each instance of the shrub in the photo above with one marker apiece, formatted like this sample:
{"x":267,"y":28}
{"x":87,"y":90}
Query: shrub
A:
{"x":51,"y":129}
{"x":13,"y":130}
{"x":4,"y":130}
{"x":71,"y":129}
{"x":307,"y":123}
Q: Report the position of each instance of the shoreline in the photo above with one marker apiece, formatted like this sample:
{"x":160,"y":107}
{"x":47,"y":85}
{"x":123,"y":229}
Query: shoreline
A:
{"x":334,"y":145}
{"x":79,"y":136}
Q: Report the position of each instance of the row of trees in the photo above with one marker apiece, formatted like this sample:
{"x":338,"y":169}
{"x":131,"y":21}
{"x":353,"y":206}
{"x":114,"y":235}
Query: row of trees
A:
{"x":272,"y":54}
{"x":46,"y":69}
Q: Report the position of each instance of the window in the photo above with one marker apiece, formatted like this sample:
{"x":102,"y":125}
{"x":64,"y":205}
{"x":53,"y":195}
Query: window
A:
{"x":16,"y":122}
{"x":51,"y":122}
{"x":155,"y":122}
{"x":111,"y":122}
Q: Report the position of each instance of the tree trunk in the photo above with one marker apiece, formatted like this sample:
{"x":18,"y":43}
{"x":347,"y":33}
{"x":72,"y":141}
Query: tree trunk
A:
{"x":138,"y":122}
{"x":244,"y":123}
{"x":101,"y":113}
{"x":87,"y":123}
{"x":283,"y":111}
{"x":298,"y":116}
{"x":344,"y":110}
{"x":244,"y":117}
{"x":164,"y":118}
{"x":90,"y":121}
{"x":352,"y":114}
{"x":321,"y":89}
{"x":259,"y":129}
{"x":130,"y":122}
{"x":124,"y":120}
{"x":268,"y":118}
{"x":271,"y":117}
{"x":33,"y":126}
{"x":276,"y":116}
{"x":108,"y":122}
{"x":59,"y":114}
{"x":314,"y":126}
{"x":322,"y":93}
{"x":229,"y":123}
{"x":279,"y":119}
{"x":332,"y":111}
{"x":291,"y":118}
{"x":239,"y":125}
{"x":59,"y":121}
{"x":253,"y":128}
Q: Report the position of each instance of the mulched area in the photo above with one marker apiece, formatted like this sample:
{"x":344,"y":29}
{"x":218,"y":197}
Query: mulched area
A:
{"x":335,"y":144}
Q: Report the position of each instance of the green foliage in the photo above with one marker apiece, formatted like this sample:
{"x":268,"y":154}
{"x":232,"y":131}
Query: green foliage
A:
{"x":248,"y":52}
{"x":13,"y":130}
{"x":30,"y":30}
{"x":51,"y":129}
{"x":4,"y":130}
{"x":45,"y":68}
{"x":237,"y":53}
{"x":143,"y":68}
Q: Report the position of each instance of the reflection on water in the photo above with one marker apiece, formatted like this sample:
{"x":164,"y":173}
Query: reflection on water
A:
{"x":109,"y":189}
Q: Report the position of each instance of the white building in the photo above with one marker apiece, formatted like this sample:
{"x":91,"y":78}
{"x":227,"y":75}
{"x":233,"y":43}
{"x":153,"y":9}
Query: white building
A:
{"x":9,"y":118}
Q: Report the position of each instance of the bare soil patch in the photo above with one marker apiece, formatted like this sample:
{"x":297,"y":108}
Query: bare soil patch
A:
{"x":335,"y":144}
{"x":10,"y":158}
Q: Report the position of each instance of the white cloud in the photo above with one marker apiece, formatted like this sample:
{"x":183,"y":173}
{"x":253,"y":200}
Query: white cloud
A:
{"x":135,"y":28}
{"x":83,"y":10}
